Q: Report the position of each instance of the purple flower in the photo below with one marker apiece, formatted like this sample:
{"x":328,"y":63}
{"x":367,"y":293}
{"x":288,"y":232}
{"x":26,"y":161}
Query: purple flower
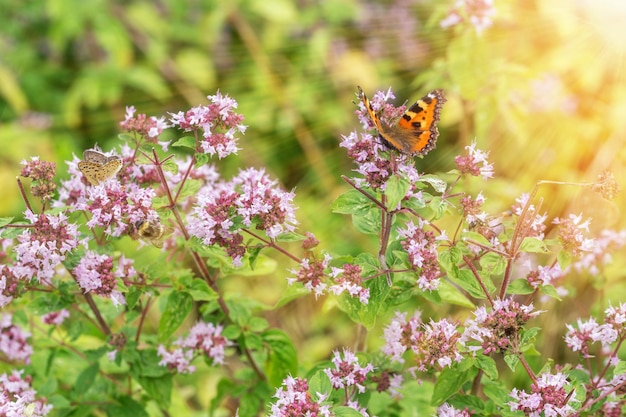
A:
{"x":56,"y":317}
{"x":497,"y":330}
{"x":178,"y":359}
{"x":348,"y":372}
{"x":294,"y":399}
{"x":42,"y":174}
{"x":399,"y":335}
{"x":95,"y":273}
{"x":251,"y":198}
{"x":435,"y":344}
{"x":218,"y":122}
{"x":117,"y":207}
{"x":203,"y":337}
{"x":13,"y":342}
{"x":311,"y":274}
{"x":43,"y":247}
{"x":589,"y":332}
{"x":474,"y":163}
{"x":421,"y":247}
{"x":478,"y":13}
{"x":18,"y":398}
{"x":446,"y":410}
{"x":350,"y":280}
{"x":149,"y":128}
{"x":571,"y":234}
{"x":549,"y":396}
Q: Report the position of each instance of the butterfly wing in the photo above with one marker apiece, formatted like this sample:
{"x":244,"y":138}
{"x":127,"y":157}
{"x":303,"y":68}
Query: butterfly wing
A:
{"x":91,"y":155}
{"x":97,"y":173}
{"x":418,"y":125}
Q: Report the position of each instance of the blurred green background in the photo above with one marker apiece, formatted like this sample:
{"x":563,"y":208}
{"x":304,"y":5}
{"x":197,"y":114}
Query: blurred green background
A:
{"x":541,"y":85}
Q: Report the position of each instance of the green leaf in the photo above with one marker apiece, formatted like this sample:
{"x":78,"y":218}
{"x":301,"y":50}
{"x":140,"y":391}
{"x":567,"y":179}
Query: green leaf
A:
{"x":178,"y":307}
{"x":449,"y":382}
{"x":564,"y":258}
{"x":190,"y":188}
{"x":5,"y":220}
{"x":519,"y":286}
{"x":492,"y":263}
{"x":257,"y":324}
{"x":282,"y":358}
{"x":319,"y":382}
{"x":366,"y":314}
{"x":368,"y":223}
{"x":511,"y":360}
{"x":159,"y":389}
{"x":476,"y":237}
{"x":450,"y":258}
{"x":200,"y":290}
{"x":185,"y":142}
{"x":344,"y":411}
{"x":395,"y":190}
{"x":125,"y":407}
{"x":85,"y":379}
{"x":620,"y":368}
{"x":466,"y":280}
{"x":289,"y":237}
{"x":451,"y":295}
{"x":534,"y":245}
{"x":437,"y":183}
{"x":551,"y":292}
{"x":488,"y":365}
{"x":351,"y":202}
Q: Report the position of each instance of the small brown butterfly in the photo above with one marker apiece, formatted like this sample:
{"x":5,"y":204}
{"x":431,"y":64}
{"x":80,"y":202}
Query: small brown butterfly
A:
{"x":153,"y":231}
{"x":416,"y":131}
{"x":97,"y":167}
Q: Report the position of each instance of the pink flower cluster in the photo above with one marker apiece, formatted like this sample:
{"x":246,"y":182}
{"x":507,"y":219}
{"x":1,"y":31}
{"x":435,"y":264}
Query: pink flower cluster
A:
{"x":294,"y":399}
{"x":18,"y":398}
{"x":435,"y":345}
{"x":249,"y":200}
{"x":589,"y":332}
{"x":421,"y":247}
{"x":95,"y":273}
{"x":218,"y":122}
{"x":571,"y":234}
{"x":56,"y":317}
{"x":499,"y":329}
{"x":348,"y":372}
{"x":549,"y":396}
{"x":117,"y":207}
{"x":147,"y":127}
{"x":350,"y":280}
{"x":474,"y":163}
{"x":42,"y":174}
{"x":478,"y":13}
{"x":203,"y":337}
{"x":43,"y":246}
{"x":13,"y":342}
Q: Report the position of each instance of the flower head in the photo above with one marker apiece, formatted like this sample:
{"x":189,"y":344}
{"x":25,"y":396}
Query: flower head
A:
{"x":348,"y":372}
{"x":293,"y":399}
{"x":474,"y":163}
{"x":218,"y":122}
{"x":18,"y":398}
{"x":42,"y":173}
{"x":421,"y":246}
{"x":13,"y":344}
{"x":499,"y":329}
{"x":549,"y":397}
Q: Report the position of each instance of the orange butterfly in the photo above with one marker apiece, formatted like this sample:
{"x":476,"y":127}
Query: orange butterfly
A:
{"x":416,"y":131}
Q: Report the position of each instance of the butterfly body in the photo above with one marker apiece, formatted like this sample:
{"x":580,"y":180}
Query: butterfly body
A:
{"x":416,"y":131}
